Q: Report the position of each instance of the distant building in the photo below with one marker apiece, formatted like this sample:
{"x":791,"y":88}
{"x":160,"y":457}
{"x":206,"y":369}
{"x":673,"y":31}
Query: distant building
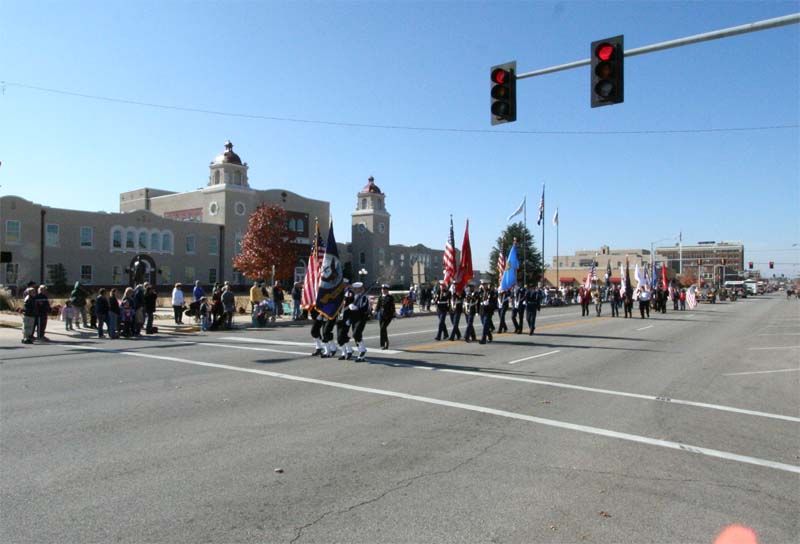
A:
{"x":711,"y":261}
{"x":371,"y":250}
{"x":181,"y":237}
{"x":571,"y":270}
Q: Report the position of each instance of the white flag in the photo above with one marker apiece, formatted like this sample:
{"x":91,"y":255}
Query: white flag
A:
{"x":519,"y":210}
{"x":555,"y":218}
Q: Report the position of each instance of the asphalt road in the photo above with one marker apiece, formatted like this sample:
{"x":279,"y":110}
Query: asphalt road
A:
{"x":593,"y":430}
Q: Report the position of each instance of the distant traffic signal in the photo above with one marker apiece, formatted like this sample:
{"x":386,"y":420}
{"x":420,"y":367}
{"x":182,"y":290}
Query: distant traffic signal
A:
{"x":750,"y":265}
{"x":772,"y":264}
{"x":504,"y":93}
{"x":607,"y":72}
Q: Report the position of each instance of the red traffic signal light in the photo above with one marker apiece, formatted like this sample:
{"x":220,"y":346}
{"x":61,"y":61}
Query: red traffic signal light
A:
{"x":772,"y":264}
{"x":504,"y":93}
{"x":607,"y":61}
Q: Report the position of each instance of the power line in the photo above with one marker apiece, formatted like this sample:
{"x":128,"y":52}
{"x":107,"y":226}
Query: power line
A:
{"x":388,"y":127}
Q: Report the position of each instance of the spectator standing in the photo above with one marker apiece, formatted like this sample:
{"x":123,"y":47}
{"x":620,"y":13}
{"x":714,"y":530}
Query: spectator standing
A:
{"x":101,"y":311}
{"x":205,"y":314}
{"x":198,"y":292}
{"x":67,"y":315}
{"x":177,"y":303}
{"x":28,"y":315}
{"x":42,"y":311}
{"x":228,"y":306}
{"x":113,"y":315}
{"x":256,"y":296}
{"x":150,"y":299}
{"x":277,"y":298}
{"x":297,"y":294}
{"x":78,"y":298}
{"x":138,"y":306}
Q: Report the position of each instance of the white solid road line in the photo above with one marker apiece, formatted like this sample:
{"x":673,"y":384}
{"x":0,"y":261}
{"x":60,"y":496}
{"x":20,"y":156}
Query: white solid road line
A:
{"x":775,"y":347}
{"x":534,"y":357}
{"x":763,"y":372}
{"x":482,"y":409}
{"x":645,"y":328}
{"x":253,"y":349}
{"x":288,"y":343}
{"x":779,"y":334}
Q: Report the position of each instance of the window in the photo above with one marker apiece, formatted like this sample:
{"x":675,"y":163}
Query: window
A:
{"x":13,"y":232}
{"x":213,"y":246}
{"x":213,"y":208}
{"x":212,"y":275}
{"x":292,"y":225}
{"x":216,"y":177}
{"x":116,"y":274}
{"x":300,"y":226}
{"x":130,"y":240}
{"x":363,"y":203}
{"x":142,"y":240}
{"x":166,"y":274}
{"x":12,"y":273}
{"x":51,"y":233}
{"x":166,"y":242}
{"x":50,"y":273}
{"x":86,"y":273}
{"x":190,"y":244}
{"x":381,"y":256}
{"x":362,"y":259}
{"x":381,"y":227}
{"x":155,"y":242}
{"x":87,"y":237}
{"x":188,"y":274}
{"x":237,"y":243}
{"x":116,"y":239}
{"x":239,"y":208}
{"x":237,"y":178}
{"x":362,"y":227}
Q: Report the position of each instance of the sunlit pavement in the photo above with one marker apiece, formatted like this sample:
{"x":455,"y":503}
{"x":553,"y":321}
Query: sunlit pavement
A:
{"x":593,"y":430}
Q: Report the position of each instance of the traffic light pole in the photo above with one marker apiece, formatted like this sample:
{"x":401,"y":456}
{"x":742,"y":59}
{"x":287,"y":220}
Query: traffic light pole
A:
{"x":792,"y":19}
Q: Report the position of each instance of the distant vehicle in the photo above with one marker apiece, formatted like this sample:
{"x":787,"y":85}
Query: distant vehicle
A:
{"x":752,"y":287}
{"x":737,"y":287}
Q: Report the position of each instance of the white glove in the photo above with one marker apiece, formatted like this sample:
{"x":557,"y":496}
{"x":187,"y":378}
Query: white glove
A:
{"x":353,"y":307}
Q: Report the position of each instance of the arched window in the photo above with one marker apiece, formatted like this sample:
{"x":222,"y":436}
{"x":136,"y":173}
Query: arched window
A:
{"x":116,"y":239}
{"x":237,"y":178}
{"x":166,"y":242}
{"x":363,"y":203}
{"x":142,"y":240}
{"x":216,"y":177}
{"x":381,"y":256}
{"x":155,"y":242}
{"x":130,"y":240}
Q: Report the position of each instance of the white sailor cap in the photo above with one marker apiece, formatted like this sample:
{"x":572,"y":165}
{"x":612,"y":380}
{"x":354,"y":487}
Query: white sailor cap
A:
{"x":385,"y":286}
{"x":358,"y":285}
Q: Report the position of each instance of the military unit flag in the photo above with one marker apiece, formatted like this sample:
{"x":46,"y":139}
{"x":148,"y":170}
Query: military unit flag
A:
{"x":510,"y":273}
{"x":331,"y":282}
{"x":464,"y":273}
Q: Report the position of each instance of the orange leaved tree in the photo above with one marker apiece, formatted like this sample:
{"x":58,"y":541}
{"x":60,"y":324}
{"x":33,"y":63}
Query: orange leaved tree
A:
{"x":267,"y":243}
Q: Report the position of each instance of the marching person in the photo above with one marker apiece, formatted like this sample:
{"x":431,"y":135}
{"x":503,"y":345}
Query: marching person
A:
{"x":533,"y":303}
{"x":504,"y":300}
{"x":329,"y":346}
{"x":584,"y":297}
{"x":644,"y":302}
{"x":343,"y":324}
{"x":518,"y":309}
{"x":472,"y":300}
{"x":442,"y":301}
{"x":361,"y":313}
{"x":597,"y":297}
{"x":316,"y":330}
{"x":616,"y":298}
{"x":489,"y":304}
{"x":385,"y":307}
{"x":457,"y":308}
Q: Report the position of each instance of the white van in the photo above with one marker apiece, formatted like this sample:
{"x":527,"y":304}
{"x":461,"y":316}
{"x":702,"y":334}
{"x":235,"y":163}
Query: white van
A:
{"x":752,"y":287}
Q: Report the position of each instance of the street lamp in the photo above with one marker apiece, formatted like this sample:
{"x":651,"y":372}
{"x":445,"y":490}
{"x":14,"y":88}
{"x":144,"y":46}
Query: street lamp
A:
{"x":362,"y":273}
{"x":652,"y":254}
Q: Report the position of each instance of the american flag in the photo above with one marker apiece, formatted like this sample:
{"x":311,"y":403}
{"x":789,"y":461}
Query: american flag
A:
{"x":541,"y":208}
{"x":691,"y":299}
{"x":592,"y":275}
{"x":311,"y":283}
{"x":450,"y":256}
{"x":501,"y":265}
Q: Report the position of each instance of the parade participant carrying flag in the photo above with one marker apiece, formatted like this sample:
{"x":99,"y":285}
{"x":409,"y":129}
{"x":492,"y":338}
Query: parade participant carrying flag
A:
{"x":464,"y":274}
{"x":691,"y":298}
{"x":664,"y":282}
{"x":331,"y":286}
{"x":510,"y":273}
{"x":592,"y":275}
{"x":628,"y":287}
{"x":449,"y":260}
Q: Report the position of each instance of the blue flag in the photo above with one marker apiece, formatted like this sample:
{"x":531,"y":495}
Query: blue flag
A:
{"x":331,"y":284}
{"x":510,"y":275}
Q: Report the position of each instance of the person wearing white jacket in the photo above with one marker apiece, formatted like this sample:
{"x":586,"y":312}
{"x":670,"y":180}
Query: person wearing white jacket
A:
{"x":177,"y":303}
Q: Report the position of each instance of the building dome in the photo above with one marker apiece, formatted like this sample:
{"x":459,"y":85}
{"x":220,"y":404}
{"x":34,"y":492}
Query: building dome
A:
{"x":228,"y":156}
{"x":370,"y":187}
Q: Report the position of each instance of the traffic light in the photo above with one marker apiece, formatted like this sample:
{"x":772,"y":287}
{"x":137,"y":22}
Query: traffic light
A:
{"x":750,"y":265}
{"x":504,"y":93}
{"x":772,"y":264}
{"x":5,"y":256}
{"x":607,"y":72}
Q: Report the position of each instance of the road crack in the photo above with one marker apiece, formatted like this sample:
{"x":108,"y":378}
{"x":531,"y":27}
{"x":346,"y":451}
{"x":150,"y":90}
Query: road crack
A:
{"x":402,"y":484}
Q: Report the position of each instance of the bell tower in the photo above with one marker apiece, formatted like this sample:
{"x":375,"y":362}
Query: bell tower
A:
{"x":370,"y":232}
{"x":227,"y":169}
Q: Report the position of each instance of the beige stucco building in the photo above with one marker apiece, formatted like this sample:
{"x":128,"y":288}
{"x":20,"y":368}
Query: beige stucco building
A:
{"x":180,"y":236}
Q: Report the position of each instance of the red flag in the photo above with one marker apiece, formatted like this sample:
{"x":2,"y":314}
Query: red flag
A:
{"x":450,"y":257}
{"x":664,"y":282}
{"x":464,"y":274}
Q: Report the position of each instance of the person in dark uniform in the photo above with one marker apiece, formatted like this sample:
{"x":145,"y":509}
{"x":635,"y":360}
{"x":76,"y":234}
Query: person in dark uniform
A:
{"x":616,"y":299}
{"x":316,"y":330}
{"x":386,"y":309}
{"x":627,"y":301}
{"x":329,"y":347}
{"x":504,"y":299}
{"x":361,"y":312}
{"x":343,"y":324}
{"x":442,"y":301}
{"x":518,"y":309}
{"x":489,"y":304}
{"x":457,"y":308}
{"x":533,"y":303}
{"x":472,"y":301}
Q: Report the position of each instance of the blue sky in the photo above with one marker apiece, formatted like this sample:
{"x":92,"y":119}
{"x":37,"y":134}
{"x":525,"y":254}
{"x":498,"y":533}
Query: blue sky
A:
{"x":418,"y":64}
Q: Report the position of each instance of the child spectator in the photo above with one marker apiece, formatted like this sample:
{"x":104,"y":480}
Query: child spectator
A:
{"x":127,"y":315}
{"x":67,"y":315}
{"x":205,"y":314}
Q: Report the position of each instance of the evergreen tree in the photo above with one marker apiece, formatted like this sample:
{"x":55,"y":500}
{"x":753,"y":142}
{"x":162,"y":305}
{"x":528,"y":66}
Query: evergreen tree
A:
{"x":531,"y":255}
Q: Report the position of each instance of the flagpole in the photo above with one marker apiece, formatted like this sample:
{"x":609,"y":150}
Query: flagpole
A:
{"x":524,"y":252}
{"x":541,"y":216}
{"x":558,"y":277}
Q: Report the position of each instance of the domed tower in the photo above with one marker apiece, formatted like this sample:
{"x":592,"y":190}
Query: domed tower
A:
{"x":227,"y":169}
{"x":370,"y":233}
